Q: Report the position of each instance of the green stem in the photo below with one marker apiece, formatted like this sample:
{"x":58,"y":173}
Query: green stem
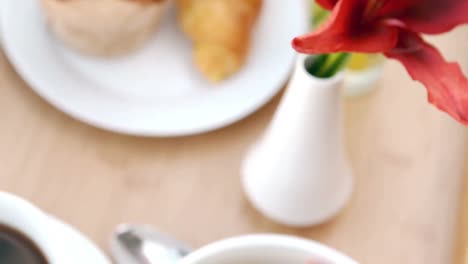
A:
{"x":326,"y":65}
{"x":339,"y":61}
{"x":313,"y":64}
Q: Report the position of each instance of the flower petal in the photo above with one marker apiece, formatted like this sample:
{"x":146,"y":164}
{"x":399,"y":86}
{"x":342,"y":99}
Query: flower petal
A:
{"x":392,"y":8}
{"x":344,"y":31}
{"x":445,"y":82}
{"x":327,"y":4}
{"x":427,"y":16}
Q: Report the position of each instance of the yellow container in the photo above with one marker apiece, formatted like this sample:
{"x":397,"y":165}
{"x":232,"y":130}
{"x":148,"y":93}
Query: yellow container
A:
{"x":361,"y":62}
{"x":363,"y":73}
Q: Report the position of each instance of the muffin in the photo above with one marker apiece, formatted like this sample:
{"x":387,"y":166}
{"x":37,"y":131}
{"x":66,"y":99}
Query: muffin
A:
{"x":104,"y":27}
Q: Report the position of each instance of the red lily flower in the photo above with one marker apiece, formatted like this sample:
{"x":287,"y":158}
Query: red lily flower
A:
{"x":393,"y":27}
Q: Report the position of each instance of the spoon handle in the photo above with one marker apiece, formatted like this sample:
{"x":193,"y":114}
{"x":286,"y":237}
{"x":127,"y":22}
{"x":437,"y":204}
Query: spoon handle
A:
{"x":132,"y":244}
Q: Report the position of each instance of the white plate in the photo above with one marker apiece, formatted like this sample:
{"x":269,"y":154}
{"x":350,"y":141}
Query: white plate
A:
{"x":155,"y":91}
{"x":77,"y":248}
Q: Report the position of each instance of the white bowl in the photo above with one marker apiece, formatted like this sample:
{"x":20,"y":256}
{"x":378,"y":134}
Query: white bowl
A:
{"x":266,"y":248}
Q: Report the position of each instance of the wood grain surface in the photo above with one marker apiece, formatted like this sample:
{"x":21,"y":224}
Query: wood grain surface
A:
{"x":462,"y":243}
{"x":407,"y":158}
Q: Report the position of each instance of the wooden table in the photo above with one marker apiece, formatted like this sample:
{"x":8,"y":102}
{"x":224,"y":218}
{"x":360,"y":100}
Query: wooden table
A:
{"x":407,"y":157}
{"x":462,"y":248}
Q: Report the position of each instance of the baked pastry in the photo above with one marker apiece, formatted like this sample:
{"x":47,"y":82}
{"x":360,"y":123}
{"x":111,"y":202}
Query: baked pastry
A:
{"x":221,"y":33}
{"x":104,"y":27}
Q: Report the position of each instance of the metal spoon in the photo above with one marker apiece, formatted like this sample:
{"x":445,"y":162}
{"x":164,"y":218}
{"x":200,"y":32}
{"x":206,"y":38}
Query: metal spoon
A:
{"x":140,"y":244}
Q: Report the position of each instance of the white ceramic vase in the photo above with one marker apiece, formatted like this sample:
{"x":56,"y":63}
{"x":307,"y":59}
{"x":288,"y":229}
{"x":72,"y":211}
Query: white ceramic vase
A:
{"x":298,"y":173}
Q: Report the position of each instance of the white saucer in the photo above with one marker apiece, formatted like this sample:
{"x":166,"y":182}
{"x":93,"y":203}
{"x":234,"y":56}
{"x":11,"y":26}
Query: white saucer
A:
{"x":156,"y":91}
{"x":77,"y":247}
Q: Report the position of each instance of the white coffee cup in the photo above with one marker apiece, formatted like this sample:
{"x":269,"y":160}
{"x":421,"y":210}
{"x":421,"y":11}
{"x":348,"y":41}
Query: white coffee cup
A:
{"x":266,"y":249}
{"x":20,"y":215}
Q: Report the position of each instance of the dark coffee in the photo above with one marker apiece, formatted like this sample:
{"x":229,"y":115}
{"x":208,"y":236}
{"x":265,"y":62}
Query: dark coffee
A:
{"x":16,"y":248}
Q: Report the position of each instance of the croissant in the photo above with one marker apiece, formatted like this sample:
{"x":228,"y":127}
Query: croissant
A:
{"x":221,"y":33}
